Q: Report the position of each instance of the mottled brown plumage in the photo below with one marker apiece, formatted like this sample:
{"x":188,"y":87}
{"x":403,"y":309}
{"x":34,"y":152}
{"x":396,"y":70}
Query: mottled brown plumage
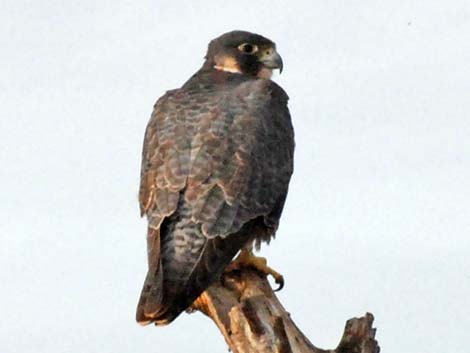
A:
{"x":216,"y":164}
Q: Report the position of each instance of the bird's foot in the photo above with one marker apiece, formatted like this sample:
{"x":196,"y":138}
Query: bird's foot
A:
{"x":246,"y":258}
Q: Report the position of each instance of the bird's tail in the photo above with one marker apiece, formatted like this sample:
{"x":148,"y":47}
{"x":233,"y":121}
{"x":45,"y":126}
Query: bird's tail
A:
{"x":168,"y":289}
{"x":151,"y":297}
{"x":150,"y":302}
{"x":173,"y":283}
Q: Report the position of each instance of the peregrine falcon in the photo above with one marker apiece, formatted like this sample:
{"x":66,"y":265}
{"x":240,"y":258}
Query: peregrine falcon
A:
{"x":216,"y":164}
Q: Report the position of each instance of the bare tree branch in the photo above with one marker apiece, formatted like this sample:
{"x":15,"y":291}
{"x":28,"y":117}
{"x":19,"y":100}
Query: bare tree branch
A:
{"x":252,"y":320}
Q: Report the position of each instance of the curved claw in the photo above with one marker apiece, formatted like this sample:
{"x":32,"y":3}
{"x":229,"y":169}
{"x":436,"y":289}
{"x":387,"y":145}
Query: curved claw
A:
{"x":247,"y":259}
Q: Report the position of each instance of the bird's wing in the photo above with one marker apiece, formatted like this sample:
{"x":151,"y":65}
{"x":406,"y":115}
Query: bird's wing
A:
{"x":165,"y":159}
{"x":229,"y":153}
{"x":243,"y":165}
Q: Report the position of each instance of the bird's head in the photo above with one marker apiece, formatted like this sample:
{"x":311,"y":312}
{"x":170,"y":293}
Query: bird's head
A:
{"x":244,"y":53}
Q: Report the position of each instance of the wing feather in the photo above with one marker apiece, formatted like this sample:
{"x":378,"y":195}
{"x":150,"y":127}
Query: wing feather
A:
{"x":239,"y":155}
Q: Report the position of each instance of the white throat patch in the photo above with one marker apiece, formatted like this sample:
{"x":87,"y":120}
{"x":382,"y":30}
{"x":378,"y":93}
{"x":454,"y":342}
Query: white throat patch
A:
{"x":227,"y":69}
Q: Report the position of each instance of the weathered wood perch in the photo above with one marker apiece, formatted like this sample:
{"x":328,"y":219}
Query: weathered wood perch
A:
{"x":252,"y":320}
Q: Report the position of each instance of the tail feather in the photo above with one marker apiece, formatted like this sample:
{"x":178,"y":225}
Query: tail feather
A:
{"x":151,"y":298}
{"x":172,"y":286}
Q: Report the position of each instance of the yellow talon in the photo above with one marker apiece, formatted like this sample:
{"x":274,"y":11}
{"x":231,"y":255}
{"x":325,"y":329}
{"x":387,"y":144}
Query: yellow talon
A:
{"x":246,"y":258}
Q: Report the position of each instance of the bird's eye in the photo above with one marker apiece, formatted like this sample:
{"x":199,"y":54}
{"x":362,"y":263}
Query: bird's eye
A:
{"x":248,"y":48}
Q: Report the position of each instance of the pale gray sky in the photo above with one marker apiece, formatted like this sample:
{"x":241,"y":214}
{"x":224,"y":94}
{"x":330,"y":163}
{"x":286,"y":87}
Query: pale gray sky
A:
{"x":378,"y":215}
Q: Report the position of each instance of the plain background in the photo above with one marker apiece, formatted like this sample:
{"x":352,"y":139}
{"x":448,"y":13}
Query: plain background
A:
{"x":377,"y":217}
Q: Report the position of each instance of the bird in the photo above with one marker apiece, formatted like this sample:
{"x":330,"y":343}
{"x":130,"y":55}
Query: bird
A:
{"x":216,"y":164}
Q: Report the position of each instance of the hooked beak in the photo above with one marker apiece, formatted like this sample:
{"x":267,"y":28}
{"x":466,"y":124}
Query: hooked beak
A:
{"x":272,"y":60}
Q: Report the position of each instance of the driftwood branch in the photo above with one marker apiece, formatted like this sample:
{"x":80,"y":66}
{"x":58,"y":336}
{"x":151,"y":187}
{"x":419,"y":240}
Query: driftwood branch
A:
{"x":252,"y":320}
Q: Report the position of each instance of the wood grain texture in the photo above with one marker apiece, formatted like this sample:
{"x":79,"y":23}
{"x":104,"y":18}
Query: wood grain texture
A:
{"x":252,"y":320}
